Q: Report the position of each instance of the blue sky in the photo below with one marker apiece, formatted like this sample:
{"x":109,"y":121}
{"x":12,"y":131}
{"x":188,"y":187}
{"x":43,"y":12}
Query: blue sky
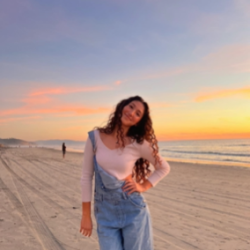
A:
{"x":169,"y":52}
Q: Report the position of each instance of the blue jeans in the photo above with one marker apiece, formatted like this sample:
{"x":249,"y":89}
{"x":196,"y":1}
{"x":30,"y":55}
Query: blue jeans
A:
{"x":123,"y":221}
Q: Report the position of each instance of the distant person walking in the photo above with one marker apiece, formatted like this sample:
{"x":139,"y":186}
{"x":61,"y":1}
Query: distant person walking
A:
{"x":63,"y":149}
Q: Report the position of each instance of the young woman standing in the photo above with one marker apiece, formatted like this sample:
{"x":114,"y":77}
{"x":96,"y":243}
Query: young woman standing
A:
{"x":119,"y":154}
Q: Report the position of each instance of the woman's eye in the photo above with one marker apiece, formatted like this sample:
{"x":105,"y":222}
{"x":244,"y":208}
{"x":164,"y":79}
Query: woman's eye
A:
{"x":138,"y":114}
{"x":131,"y":106}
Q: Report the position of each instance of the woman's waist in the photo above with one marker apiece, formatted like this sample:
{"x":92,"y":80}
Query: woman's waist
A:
{"x":114,"y":194}
{"x":109,"y":181}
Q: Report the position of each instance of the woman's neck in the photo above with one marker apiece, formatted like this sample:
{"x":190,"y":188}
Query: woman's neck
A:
{"x":126,"y":140}
{"x":124,"y":129}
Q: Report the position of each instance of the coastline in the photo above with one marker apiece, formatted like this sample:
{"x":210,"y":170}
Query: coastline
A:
{"x":192,"y":161}
{"x":203,"y":162}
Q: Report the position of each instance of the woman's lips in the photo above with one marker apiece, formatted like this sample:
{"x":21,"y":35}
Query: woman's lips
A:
{"x":127,"y":117}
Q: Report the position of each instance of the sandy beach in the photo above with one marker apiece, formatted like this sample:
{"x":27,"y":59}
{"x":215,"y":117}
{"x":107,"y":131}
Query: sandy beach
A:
{"x":196,"y":207}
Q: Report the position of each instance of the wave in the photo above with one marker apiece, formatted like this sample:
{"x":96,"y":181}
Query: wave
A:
{"x":206,"y":153}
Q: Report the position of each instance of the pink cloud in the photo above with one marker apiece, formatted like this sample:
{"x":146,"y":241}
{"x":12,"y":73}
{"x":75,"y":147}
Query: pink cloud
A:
{"x":118,"y":82}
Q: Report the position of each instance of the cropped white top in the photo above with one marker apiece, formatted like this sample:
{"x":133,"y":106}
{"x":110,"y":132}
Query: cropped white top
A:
{"x":118,"y":162}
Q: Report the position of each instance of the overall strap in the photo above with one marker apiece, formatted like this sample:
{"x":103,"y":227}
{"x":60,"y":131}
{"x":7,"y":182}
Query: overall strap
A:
{"x":92,"y":139}
{"x":98,"y":180}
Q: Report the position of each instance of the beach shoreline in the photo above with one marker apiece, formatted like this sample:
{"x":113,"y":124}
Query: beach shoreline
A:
{"x":192,"y":161}
{"x":197,"y":206}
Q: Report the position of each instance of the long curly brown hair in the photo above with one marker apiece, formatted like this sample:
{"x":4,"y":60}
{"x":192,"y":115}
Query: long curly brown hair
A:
{"x":142,"y":131}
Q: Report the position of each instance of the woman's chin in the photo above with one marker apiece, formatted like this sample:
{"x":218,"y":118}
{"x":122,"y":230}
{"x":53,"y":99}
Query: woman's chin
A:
{"x":126,"y":123}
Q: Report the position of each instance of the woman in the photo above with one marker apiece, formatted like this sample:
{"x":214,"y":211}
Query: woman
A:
{"x":119,"y":154}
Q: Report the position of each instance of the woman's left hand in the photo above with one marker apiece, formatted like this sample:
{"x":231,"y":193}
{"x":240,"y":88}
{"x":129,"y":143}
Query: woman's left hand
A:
{"x":131,"y":186}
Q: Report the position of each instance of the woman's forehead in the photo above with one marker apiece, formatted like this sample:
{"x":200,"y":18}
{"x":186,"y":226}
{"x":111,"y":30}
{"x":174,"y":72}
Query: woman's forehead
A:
{"x":138,"y":105}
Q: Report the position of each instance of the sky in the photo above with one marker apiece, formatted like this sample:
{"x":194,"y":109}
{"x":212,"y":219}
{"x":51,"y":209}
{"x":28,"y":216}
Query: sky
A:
{"x":64,"y":65}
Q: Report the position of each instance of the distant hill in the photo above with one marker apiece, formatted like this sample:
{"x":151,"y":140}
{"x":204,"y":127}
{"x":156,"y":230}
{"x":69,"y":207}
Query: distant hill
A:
{"x":16,"y":142}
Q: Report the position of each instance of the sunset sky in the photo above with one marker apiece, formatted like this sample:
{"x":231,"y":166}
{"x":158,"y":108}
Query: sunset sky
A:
{"x":64,"y":65}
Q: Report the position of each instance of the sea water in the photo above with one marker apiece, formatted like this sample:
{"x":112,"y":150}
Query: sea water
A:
{"x":224,"y":151}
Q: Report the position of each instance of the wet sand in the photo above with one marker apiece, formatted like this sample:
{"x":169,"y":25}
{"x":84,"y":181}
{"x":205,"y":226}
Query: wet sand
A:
{"x":196,"y":207}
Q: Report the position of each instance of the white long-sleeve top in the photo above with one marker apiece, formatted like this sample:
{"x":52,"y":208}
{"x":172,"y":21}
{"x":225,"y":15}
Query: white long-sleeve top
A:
{"x":118,"y":162}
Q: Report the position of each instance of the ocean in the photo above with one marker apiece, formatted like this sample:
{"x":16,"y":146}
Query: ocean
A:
{"x":230,"y":151}
{"x":235,"y":151}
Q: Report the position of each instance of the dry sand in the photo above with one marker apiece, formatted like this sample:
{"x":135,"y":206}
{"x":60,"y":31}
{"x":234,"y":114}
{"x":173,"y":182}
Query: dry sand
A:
{"x":197,"y":207}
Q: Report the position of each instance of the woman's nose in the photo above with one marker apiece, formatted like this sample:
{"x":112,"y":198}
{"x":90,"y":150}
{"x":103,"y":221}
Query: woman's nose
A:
{"x":131,"y":114}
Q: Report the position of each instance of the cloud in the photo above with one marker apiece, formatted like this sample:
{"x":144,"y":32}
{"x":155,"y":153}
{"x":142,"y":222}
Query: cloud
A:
{"x":242,"y":92}
{"x":77,"y":110}
{"x":118,"y":82}
{"x":7,"y":120}
{"x":41,"y":102}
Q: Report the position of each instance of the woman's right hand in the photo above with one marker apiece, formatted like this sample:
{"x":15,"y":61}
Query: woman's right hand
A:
{"x":86,"y":226}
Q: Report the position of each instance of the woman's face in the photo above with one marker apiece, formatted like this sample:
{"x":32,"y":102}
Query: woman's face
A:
{"x":132,"y":113}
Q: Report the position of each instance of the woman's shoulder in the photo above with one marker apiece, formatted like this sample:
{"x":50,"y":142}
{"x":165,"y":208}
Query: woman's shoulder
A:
{"x":94,"y":131}
{"x":94,"y":135}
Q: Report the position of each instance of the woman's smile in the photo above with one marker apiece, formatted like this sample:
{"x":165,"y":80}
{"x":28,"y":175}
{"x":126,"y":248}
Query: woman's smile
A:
{"x":128,"y":117}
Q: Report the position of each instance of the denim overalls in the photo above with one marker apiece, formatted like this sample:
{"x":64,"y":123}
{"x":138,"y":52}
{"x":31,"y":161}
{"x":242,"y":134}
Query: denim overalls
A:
{"x":123,"y":221}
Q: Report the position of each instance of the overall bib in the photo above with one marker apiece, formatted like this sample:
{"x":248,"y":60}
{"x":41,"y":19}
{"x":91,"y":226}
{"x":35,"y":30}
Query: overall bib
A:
{"x":123,"y":221}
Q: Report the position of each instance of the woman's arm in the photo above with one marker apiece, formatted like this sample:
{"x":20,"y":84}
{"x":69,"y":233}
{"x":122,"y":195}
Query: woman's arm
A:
{"x":87,"y":172}
{"x":132,"y":186}
{"x":86,"y":183}
{"x":86,"y":222}
{"x":162,"y":168}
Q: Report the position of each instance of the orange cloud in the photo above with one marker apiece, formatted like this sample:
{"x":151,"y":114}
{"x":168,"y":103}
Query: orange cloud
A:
{"x":245,"y":92}
{"x":56,"y":110}
{"x":38,"y":102}
{"x":19,"y":119}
